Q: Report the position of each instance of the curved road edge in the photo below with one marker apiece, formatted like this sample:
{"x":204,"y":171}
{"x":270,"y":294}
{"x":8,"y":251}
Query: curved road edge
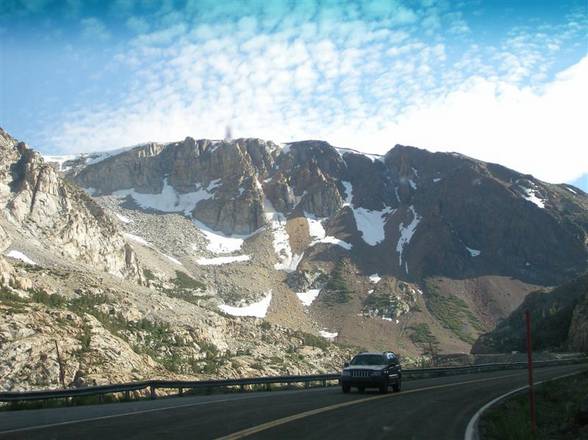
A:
{"x":472,"y":431}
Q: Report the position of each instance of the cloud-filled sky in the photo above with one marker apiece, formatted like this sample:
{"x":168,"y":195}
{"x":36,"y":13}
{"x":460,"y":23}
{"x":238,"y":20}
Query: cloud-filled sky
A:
{"x":500,"y":81}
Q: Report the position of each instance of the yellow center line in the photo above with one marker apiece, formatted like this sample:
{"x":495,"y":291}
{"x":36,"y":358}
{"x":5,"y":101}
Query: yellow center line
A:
{"x":302,"y":415}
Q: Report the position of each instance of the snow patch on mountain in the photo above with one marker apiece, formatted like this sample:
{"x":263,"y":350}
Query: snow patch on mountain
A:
{"x":374,"y":278}
{"x":369,"y":223}
{"x":219,"y":243}
{"x":172,"y":259}
{"x":137,"y":239}
{"x":329,"y":239}
{"x":217,"y":261}
{"x":406,"y":233}
{"x":319,"y":235}
{"x":473,"y":252}
{"x":257,"y":310}
{"x":328,"y":335}
{"x":287,"y":261}
{"x":308,"y":297}
{"x":17,"y":255}
{"x":532,"y":196}
{"x":315,"y":226}
{"x":373,"y":157}
{"x":122,"y":218}
{"x":94,"y":158}
{"x":169,"y":200}
{"x":60,"y":160}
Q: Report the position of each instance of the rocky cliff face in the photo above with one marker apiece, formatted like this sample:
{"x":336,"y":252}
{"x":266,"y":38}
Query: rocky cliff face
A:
{"x":578,"y":331}
{"x":56,"y":215}
{"x":411,"y":214}
{"x":558,"y":319}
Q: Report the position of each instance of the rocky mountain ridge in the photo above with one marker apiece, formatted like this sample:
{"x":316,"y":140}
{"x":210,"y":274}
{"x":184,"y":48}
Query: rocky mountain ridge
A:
{"x":484,"y":216}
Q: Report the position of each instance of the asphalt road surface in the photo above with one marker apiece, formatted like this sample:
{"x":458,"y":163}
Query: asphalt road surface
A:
{"x":437,"y":408}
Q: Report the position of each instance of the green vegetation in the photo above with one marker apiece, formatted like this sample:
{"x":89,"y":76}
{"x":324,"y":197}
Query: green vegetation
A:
{"x":184,"y":287}
{"x":452,"y":312}
{"x":183,"y":281}
{"x":557,"y":404}
{"x":14,"y":302}
{"x":337,"y":290}
{"x":42,"y":297}
{"x":421,"y":335}
{"x":85,"y":338}
{"x":314,"y":341}
{"x":149,"y":275}
{"x":156,"y":338}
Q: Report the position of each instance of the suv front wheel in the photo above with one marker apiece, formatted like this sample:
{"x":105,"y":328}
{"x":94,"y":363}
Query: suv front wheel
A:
{"x":396,"y":387}
{"x":346,"y":388}
{"x":384,"y":388}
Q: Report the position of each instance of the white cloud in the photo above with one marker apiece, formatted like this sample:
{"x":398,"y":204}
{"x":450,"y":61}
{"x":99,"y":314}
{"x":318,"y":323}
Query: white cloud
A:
{"x":539,"y":131}
{"x":353,"y":82}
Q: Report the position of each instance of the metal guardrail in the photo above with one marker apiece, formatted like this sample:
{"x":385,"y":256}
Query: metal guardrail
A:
{"x":180,"y":385}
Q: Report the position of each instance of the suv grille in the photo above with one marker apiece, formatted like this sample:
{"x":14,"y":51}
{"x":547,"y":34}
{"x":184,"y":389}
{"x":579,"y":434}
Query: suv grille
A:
{"x":360,"y":373}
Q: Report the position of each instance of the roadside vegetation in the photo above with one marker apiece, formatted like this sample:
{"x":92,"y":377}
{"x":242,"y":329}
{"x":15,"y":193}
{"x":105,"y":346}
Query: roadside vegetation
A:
{"x":558,"y":408}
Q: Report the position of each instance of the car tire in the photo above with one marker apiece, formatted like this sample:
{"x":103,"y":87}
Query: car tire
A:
{"x":346,"y":388}
{"x":361,"y":389}
{"x":384,"y":388}
{"x":396,"y":387}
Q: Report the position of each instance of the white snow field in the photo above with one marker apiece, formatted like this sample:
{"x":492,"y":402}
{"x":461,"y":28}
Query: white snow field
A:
{"x":473,"y":252}
{"x":17,"y":255}
{"x":287,"y":261}
{"x":406,"y":233}
{"x":169,"y":200}
{"x":374,"y":278}
{"x":369,"y":223}
{"x":257,"y":310}
{"x":307,"y":298}
{"x":328,"y":335}
{"x":319,"y":235}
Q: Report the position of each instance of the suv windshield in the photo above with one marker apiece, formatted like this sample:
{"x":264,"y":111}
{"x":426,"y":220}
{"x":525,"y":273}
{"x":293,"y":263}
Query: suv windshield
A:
{"x":368,"y":359}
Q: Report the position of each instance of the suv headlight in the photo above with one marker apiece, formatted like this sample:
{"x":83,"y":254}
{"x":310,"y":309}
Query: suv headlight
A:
{"x":345,"y":373}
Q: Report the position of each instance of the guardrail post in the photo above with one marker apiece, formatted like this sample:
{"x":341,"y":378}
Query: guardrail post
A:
{"x":100,"y":398}
{"x":127,"y":395}
{"x":324,"y":382}
{"x":307,"y":384}
{"x":153,"y":393}
{"x":181,"y":391}
{"x":268,"y":386}
{"x":242,"y":387}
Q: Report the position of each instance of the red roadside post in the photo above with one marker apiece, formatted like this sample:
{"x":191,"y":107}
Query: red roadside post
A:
{"x":530,"y":368}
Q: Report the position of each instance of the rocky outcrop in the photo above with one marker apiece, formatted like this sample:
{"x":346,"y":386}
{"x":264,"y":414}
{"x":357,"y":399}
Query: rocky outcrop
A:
{"x":578,"y":332}
{"x":43,"y":206}
{"x":558,"y":319}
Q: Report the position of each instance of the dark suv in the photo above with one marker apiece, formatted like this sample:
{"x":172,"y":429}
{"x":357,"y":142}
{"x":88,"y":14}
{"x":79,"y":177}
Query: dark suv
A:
{"x":372,"y":370}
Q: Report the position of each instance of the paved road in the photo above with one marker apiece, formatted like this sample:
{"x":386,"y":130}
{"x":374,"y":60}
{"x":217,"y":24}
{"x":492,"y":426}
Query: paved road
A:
{"x":438,"y":408}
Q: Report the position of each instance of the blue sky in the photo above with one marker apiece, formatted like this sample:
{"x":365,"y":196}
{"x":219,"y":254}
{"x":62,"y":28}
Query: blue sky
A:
{"x":501,"y":81}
